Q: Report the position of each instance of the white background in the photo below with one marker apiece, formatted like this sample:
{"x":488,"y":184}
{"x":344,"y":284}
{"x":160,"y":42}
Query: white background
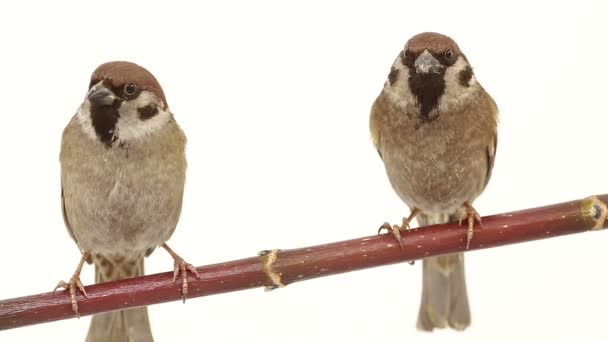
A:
{"x":275,"y":99}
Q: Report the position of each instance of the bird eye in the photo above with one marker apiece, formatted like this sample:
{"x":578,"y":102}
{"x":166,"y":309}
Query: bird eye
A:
{"x":448,"y":54}
{"x":130,"y":89}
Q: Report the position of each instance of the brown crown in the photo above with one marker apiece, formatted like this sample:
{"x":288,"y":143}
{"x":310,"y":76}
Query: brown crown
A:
{"x":434,"y":42}
{"x":120,"y":73}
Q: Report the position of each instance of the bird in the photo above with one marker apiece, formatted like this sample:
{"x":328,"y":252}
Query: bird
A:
{"x":435,"y":129}
{"x":123,"y":168}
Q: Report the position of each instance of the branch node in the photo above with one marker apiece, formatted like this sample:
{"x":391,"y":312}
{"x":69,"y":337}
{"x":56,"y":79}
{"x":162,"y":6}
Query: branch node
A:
{"x":268,"y":257}
{"x":594,"y":209}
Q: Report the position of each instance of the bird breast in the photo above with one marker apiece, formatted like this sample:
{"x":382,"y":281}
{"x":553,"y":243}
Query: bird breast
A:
{"x":436,"y":166}
{"x":121,"y":199}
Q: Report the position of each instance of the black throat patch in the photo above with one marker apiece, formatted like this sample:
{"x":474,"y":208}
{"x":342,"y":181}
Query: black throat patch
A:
{"x":104,"y":119}
{"x":428,"y":89}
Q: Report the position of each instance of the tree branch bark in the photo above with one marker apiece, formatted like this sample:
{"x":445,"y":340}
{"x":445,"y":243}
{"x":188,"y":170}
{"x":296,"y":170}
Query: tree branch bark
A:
{"x":277,"y":268}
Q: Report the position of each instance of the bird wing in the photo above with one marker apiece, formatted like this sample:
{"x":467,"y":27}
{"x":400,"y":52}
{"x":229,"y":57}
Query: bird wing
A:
{"x":490,"y":155}
{"x":376,"y":116}
{"x":65,"y":215}
{"x":491,"y":148}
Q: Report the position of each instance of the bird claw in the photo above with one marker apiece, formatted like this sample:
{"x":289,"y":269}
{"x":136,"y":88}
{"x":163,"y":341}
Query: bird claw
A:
{"x":470,"y":214}
{"x":393,"y":229}
{"x":405,"y":225}
{"x":72,"y":286}
{"x":396,"y":230}
{"x":180,"y":266}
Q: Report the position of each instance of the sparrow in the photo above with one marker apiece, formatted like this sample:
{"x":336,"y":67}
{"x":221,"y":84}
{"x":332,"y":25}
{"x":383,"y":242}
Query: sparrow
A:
{"x":123,"y":167}
{"x":435,"y":128}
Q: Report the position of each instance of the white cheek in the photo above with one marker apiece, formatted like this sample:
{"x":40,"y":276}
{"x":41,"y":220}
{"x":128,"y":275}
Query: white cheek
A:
{"x":400,"y":91}
{"x":131,"y":127}
{"x":83,"y":117}
{"x":455,"y":94}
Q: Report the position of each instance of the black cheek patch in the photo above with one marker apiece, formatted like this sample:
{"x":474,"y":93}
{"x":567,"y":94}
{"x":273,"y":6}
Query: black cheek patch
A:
{"x":392,"y":77}
{"x":147,"y":112}
{"x":464,"y":76}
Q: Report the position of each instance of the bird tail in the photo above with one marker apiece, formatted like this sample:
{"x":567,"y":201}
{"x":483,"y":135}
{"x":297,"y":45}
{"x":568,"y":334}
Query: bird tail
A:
{"x":444,"y":291}
{"x":125,"y":325}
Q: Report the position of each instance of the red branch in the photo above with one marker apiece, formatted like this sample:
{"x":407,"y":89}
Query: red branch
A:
{"x":281,"y":267}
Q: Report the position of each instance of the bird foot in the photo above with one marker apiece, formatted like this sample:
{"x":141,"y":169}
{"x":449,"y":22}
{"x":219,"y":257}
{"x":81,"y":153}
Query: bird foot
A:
{"x":395,"y":229}
{"x":181,"y":267}
{"x":470,"y":214}
{"x":74,"y":284}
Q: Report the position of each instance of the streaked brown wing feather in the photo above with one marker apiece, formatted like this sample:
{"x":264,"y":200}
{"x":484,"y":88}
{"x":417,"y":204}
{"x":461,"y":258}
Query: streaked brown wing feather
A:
{"x":491,"y":148}
{"x":490,"y":156}
{"x":65,"y":215}
{"x":378,"y":110}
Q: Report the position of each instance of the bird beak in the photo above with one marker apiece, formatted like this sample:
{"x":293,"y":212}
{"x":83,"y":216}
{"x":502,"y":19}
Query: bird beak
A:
{"x":99,"y":95}
{"x":426,"y":63}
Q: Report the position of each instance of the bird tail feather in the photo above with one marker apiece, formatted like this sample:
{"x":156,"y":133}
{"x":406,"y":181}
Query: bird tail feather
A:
{"x":444,"y":291}
{"x":124,"y":325}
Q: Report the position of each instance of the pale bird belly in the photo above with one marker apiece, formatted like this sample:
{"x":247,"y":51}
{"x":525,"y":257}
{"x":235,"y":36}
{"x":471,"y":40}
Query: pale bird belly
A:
{"x":436,"y":183}
{"x":127,"y":219}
